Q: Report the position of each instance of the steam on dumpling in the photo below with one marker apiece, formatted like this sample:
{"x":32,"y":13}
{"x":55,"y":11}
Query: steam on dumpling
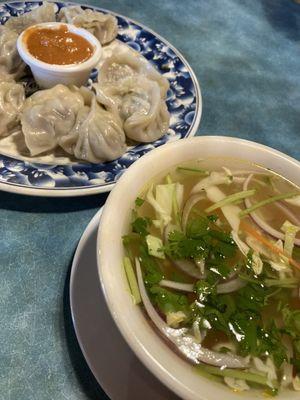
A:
{"x":97,"y":136}
{"x":44,"y":13}
{"x":138,"y":102}
{"x":103,"y":26}
{"x":12,"y":97}
{"x":122,"y":65}
{"x":10,"y":61}
{"x":48,"y":115}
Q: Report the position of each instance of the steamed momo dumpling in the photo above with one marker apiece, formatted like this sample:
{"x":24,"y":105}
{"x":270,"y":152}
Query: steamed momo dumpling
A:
{"x":44,"y":13}
{"x":12,"y":97}
{"x":48,"y":115}
{"x":126,"y":64}
{"x":103,"y":26}
{"x":137,"y":100}
{"x":10,"y":61}
{"x":97,"y":136}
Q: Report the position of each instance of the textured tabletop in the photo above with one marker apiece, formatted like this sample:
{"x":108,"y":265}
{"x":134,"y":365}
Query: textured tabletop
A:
{"x":245,"y":54}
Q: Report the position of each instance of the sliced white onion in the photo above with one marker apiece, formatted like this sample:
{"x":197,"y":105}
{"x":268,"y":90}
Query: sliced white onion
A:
{"x":237,"y":179}
{"x":184,"y":342}
{"x":260,"y":222}
{"x":247,"y":172}
{"x":214,"y":179}
{"x":189,"y":268}
{"x":230,"y":286}
{"x":295,"y":201}
{"x":226,"y":287}
{"x":292,"y":217}
{"x":230,"y":211}
{"x":190,"y":203}
{"x":183,"y":287}
{"x":244,"y":249}
{"x":296,"y":383}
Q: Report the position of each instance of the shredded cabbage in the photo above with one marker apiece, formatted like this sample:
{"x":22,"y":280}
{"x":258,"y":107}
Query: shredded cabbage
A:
{"x":155,"y":246}
{"x":166,"y":202}
{"x":267,"y":368}
{"x":257,"y":264}
{"x":238,"y":385}
{"x":290,"y":231}
{"x":174,"y":319}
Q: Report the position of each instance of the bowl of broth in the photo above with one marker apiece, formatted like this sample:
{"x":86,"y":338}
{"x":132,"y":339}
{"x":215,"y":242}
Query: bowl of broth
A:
{"x":199,"y":261}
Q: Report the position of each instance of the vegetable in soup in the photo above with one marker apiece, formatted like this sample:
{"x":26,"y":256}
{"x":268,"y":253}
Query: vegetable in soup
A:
{"x":213,"y":252}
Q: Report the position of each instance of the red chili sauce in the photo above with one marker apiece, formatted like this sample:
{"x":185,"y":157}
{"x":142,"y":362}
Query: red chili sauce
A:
{"x":58,"y":45}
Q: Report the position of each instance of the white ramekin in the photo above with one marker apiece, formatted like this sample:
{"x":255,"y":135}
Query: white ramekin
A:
{"x":147,"y":344}
{"x":49,"y":75}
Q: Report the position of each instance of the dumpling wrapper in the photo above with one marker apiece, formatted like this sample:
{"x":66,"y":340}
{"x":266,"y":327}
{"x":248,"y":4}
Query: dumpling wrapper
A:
{"x":10,"y":61}
{"x":12,"y":97}
{"x":122,"y":65}
{"x":48,"y":115}
{"x":44,"y":13}
{"x":103,"y":26}
{"x":138,"y":103}
{"x":96,"y":137}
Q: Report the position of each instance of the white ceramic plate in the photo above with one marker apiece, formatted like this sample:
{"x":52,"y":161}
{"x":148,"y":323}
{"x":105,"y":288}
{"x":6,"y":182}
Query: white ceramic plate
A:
{"x":113,"y":364}
{"x":56,"y":175}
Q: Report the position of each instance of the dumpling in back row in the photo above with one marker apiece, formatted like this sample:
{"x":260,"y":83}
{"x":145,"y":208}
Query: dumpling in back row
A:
{"x":10,"y":61}
{"x":103,"y":26}
{"x":125,"y":64}
{"x":138,"y":102}
{"x":12,"y":97}
{"x":44,"y":13}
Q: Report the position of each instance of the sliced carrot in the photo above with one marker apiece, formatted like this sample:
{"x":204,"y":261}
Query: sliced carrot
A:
{"x":253,"y":232}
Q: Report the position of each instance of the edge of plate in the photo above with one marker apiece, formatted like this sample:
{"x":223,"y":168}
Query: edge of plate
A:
{"x":93,"y":224}
{"x":97,"y":189}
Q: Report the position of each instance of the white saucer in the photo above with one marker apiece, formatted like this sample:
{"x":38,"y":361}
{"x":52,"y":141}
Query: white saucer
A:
{"x":118,"y":371}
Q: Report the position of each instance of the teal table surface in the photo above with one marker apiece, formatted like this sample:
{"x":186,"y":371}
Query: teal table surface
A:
{"x":245,"y":54}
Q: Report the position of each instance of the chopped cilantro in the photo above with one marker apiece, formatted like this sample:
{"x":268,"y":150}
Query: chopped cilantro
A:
{"x":168,"y":301}
{"x":197,"y":228}
{"x":139,"y":202}
{"x":140,"y":225}
{"x":203,"y":289}
{"x":152,"y":271}
{"x":212,"y":218}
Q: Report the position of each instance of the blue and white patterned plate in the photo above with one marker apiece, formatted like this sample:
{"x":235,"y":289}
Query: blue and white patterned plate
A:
{"x":78,"y":178}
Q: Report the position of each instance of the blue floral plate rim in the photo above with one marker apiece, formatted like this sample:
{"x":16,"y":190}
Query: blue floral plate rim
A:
{"x":88,"y":189}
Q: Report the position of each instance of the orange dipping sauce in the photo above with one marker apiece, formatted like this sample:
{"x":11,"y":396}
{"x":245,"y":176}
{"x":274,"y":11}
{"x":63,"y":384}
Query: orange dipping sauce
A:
{"x":58,"y":45}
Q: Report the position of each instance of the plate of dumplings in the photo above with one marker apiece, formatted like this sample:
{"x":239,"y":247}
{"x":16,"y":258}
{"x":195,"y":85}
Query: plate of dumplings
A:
{"x":75,"y":141}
